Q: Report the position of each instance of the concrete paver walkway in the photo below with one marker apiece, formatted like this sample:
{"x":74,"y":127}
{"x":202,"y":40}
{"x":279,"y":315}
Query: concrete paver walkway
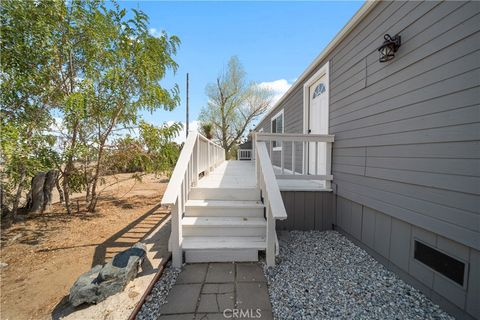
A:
{"x":218,"y":291}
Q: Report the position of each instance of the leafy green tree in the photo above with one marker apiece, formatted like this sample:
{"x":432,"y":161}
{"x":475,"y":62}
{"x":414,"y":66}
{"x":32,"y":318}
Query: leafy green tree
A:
{"x":154,"y":151}
{"x":207,"y":130}
{"x":94,"y":67}
{"x":27,"y":70}
{"x":233,"y":104}
{"x":111,"y":69}
{"x":126,"y":156}
{"x":161,"y":152}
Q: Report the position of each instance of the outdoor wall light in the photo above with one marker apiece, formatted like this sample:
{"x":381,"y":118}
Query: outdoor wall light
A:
{"x":389,"y":47}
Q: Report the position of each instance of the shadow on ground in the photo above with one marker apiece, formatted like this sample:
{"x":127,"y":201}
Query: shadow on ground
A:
{"x":138,"y":230}
{"x":34,"y":234}
{"x":129,"y":235}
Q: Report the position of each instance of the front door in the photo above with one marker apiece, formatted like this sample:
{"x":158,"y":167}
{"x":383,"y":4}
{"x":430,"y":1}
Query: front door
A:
{"x":318,"y":124}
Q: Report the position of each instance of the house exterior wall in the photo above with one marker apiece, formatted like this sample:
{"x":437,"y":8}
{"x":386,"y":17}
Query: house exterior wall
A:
{"x":407,"y":132}
{"x":391,"y":241}
{"x":293,"y":123}
{"x":308,"y":210}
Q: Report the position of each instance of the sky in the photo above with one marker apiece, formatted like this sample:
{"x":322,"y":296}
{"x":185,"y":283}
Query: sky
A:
{"x":275,"y":42}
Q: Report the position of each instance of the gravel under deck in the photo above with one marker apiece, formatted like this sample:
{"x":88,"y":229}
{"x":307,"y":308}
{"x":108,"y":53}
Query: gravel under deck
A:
{"x":151,"y":308}
{"x":323,"y":275}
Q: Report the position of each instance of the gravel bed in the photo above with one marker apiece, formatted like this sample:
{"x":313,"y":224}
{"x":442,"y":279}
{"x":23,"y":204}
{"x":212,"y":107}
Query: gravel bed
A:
{"x":322,"y":275}
{"x":158,"y":296}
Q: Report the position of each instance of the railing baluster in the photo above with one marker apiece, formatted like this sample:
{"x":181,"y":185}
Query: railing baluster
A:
{"x":196,"y":156}
{"x":177,"y":258}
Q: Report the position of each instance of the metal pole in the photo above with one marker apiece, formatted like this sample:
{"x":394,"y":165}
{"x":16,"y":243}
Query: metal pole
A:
{"x":187,"y":108}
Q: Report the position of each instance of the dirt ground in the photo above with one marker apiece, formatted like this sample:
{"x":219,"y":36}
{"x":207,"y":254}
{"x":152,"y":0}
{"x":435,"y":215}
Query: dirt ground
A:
{"x":46,"y":253}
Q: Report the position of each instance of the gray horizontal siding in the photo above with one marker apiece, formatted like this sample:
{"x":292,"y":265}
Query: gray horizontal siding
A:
{"x":407,"y":132}
{"x":293,"y":123}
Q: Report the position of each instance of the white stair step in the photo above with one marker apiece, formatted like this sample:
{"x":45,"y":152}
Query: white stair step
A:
{"x":223,"y":222}
{"x":197,"y":243}
{"x":223,"y":226}
{"x":223,"y":208}
{"x":224,"y":194}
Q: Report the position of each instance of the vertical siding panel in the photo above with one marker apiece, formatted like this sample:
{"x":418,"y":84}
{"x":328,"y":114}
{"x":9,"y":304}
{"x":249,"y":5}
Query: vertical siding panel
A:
{"x":333,"y":212}
{"x":300,"y":210}
{"x":291,"y":208}
{"x":356,"y":224}
{"x":473,"y":307}
{"x":309,"y":211}
{"x":325,"y":208}
{"x":327,"y":199}
{"x":319,"y":210}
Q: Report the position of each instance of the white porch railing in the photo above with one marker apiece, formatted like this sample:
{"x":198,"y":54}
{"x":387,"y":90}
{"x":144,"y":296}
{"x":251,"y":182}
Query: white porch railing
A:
{"x":272,"y":199}
{"x":309,"y":156}
{"x":198,"y":155}
{"x":244,"y":154}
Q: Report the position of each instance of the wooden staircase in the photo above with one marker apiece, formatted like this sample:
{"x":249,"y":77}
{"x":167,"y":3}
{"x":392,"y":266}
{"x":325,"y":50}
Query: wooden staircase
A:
{"x":217,"y":212}
{"x":223,"y":224}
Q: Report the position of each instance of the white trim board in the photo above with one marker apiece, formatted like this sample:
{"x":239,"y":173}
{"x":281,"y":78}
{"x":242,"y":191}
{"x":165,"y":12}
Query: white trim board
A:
{"x":298,"y":185}
{"x":323,"y":71}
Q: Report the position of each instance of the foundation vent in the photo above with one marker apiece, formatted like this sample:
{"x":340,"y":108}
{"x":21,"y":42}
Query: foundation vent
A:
{"x":442,"y":263}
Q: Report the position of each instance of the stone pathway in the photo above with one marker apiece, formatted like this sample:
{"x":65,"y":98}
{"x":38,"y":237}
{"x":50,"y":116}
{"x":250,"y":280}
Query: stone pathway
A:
{"x":218,"y":291}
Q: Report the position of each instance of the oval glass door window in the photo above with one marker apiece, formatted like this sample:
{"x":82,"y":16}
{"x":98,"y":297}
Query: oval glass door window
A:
{"x":319,"y":90}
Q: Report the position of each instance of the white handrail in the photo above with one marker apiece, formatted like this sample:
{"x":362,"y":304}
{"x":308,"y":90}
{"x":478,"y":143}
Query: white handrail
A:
{"x":313,"y":167}
{"x":271,"y":187}
{"x":272,"y":198}
{"x":198,"y":155}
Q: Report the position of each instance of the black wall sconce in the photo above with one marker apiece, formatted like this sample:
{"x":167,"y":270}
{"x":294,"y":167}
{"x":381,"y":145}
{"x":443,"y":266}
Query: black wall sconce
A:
{"x":389,"y":47}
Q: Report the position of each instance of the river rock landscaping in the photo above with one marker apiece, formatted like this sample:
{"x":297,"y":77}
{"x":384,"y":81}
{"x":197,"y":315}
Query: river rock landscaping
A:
{"x":151,"y":308}
{"x":322,"y":275}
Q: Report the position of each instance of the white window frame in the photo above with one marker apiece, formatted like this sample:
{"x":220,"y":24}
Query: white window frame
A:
{"x":280,"y":113}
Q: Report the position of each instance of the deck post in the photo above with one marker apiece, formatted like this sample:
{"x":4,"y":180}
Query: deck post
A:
{"x":270,"y":250}
{"x":328,"y":169}
{"x":177,"y":255}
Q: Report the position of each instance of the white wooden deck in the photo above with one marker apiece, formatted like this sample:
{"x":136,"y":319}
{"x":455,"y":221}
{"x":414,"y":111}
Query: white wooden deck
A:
{"x":231,"y":174}
{"x":241,"y":174}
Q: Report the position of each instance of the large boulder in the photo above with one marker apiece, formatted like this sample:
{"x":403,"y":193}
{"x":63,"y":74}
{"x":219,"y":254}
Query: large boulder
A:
{"x":101,"y":282}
